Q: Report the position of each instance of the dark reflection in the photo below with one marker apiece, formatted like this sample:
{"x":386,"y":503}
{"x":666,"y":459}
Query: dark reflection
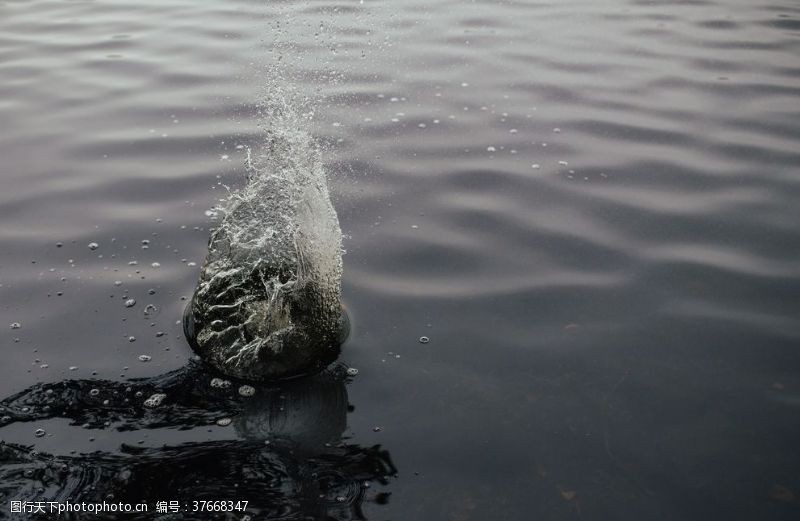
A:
{"x":290,"y":460}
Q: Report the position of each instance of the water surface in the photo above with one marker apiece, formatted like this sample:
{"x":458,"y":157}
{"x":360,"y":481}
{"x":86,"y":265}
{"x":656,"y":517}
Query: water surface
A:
{"x":590,"y":208}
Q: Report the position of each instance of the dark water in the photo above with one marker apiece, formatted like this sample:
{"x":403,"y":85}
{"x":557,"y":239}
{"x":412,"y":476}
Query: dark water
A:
{"x":590,"y":208}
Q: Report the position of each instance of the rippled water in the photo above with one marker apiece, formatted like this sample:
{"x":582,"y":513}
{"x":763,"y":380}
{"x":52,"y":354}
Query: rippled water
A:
{"x":589,"y":208}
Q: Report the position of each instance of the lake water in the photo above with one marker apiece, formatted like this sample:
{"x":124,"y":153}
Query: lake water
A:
{"x":589,"y":208}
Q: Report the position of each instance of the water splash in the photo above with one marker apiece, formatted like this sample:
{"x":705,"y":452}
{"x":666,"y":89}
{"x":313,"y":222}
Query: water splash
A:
{"x":286,"y":452}
{"x":267,"y":305}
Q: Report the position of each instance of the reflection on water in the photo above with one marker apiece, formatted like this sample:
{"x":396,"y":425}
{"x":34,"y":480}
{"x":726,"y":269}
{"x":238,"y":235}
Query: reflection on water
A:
{"x":288,"y":458}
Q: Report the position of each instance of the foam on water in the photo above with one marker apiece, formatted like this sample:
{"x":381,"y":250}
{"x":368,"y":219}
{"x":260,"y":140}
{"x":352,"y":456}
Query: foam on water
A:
{"x":268,"y":302}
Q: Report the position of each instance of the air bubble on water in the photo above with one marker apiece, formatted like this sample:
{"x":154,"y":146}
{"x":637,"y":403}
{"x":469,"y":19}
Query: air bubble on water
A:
{"x":491,"y":149}
{"x":118,"y":283}
{"x":191,"y":264}
{"x":219,"y":383}
{"x":94,"y":392}
{"x":247,"y":390}
{"x":150,"y":309}
{"x":39,"y":433}
{"x":424,"y":340}
{"x":155,"y":400}
{"x":352,"y":371}
{"x":131,"y":338}
{"x":145,"y":358}
{"x":93,"y":245}
{"x":130,"y":303}
{"x":15,"y":325}
{"x":73,"y":368}
{"x":536,"y":166}
{"x":224,"y":422}
{"x":156,"y":265}
{"x":512,"y":131}
{"x":563,"y":163}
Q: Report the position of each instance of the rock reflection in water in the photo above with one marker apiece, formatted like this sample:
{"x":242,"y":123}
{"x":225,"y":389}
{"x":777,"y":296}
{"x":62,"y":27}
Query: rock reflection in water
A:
{"x":289,"y":461}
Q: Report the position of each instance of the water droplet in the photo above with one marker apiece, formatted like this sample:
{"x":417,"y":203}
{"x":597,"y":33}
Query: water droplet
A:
{"x":219,"y":383}
{"x":352,"y":371}
{"x":131,"y":338}
{"x":156,"y":265}
{"x":39,"y":433}
{"x":224,"y":422}
{"x":145,"y":358}
{"x":94,"y":392}
{"x":247,"y":390}
{"x":130,"y":303}
{"x":16,"y":325}
{"x":155,"y":400}
{"x":93,"y":245}
{"x":424,"y":340}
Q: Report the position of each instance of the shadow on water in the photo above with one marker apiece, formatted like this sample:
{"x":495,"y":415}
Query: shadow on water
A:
{"x":290,"y":458}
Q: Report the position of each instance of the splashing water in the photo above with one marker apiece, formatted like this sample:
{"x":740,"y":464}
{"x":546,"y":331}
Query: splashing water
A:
{"x":267,"y":305}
